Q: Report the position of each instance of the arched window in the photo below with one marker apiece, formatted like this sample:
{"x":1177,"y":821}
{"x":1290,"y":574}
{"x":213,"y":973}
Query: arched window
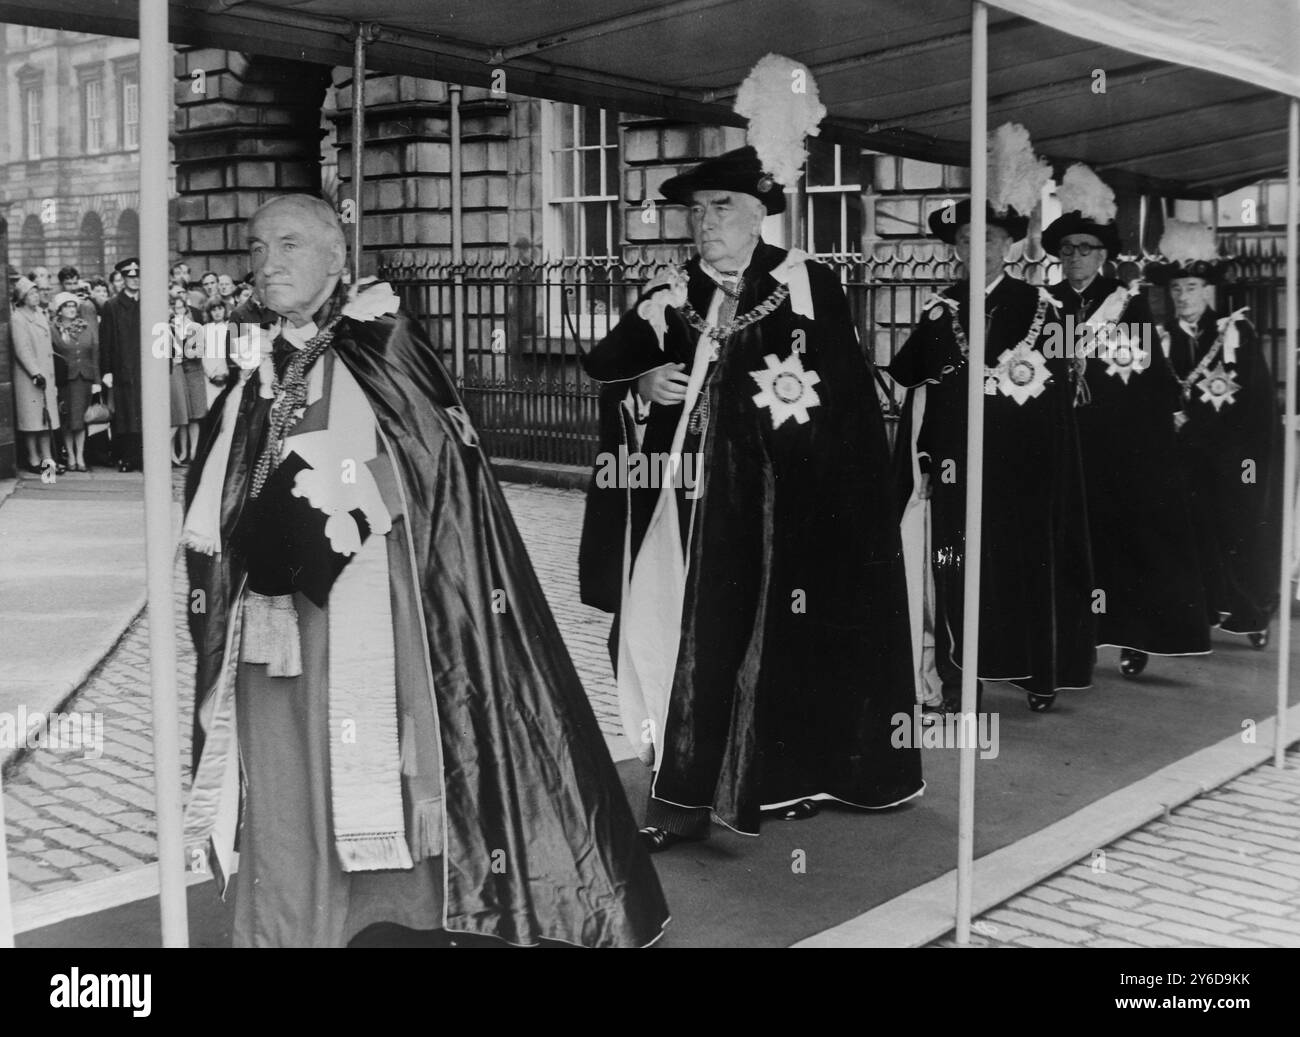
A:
{"x":91,"y":260}
{"x":33,"y":243}
{"x":128,"y":235}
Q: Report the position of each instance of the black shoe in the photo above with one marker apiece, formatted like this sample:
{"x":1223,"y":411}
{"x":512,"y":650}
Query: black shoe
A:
{"x":656,"y":840}
{"x":800,"y":811}
{"x":952,"y":698}
{"x":1259,"y":639}
{"x":1132,"y":662}
{"x":1040,"y":703}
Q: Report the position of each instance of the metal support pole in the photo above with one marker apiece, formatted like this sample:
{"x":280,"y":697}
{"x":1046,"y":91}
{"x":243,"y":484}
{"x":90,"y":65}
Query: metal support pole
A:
{"x":970,"y":637}
{"x":358,"y":141}
{"x":1289,"y":550}
{"x":6,"y":908}
{"x":799,"y":218}
{"x":160,"y":545}
{"x":457,"y":242}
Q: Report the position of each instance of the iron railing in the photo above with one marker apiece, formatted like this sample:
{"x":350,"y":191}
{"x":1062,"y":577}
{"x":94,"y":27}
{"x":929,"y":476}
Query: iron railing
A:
{"x":523,"y":326}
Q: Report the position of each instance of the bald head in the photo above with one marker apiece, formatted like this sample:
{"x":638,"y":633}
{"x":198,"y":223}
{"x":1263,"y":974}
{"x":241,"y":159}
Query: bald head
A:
{"x":298,"y":252}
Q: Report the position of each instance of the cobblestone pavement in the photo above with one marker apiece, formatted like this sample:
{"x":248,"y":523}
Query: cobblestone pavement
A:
{"x":1223,"y":870}
{"x":71,"y":818}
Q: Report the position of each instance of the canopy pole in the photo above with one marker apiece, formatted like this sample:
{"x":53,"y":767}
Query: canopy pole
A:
{"x":6,"y":908}
{"x":1290,"y":553}
{"x":457,"y":242}
{"x":970,"y":637}
{"x":160,"y":544}
{"x":358,"y":140}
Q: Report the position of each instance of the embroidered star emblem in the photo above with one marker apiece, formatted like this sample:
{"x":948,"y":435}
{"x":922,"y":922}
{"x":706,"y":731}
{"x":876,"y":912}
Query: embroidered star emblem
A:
{"x":1123,"y":356}
{"x":786,"y":389}
{"x":1219,"y":386}
{"x":1022,"y":373}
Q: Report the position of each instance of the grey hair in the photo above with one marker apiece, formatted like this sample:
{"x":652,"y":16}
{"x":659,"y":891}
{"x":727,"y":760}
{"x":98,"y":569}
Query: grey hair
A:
{"x":313,"y":207}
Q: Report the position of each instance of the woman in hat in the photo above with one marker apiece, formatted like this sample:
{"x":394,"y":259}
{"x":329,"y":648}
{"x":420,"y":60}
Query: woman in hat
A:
{"x":36,"y":401}
{"x":1229,"y":436}
{"x":1143,"y":549}
{"x":76,"y":340}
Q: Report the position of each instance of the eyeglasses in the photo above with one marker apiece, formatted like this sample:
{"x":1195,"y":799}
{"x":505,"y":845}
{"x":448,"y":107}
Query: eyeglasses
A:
{"x":1079,"y":250}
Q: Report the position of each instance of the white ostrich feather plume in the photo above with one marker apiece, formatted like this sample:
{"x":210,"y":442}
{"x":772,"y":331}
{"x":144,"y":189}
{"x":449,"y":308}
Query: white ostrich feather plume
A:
{"x":779,"y":98}
{"x":1184,"y":242}
{"x":1085,"y":192}
{"x":1016,"y":175}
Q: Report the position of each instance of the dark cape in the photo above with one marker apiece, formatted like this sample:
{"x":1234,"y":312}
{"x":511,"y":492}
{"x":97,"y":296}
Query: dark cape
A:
{"x":1143,"y":550}
{"x":1036,"y":620}
{"x":119,"y":355}
{"x":793,"y":652}
{"x":526,"y":772}
{"x":1237,"y":518}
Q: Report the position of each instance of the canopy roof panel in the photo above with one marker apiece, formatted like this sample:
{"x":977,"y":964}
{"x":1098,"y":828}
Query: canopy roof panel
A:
{"x":1191,"y":106}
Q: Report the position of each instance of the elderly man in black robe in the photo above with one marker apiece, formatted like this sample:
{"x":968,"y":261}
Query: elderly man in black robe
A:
{"x":1036,"y":590}
{"x":387,"y":716}
{"x":761,"y":641}
{"x":1144,"y":557}
{"x":1229,"y":436}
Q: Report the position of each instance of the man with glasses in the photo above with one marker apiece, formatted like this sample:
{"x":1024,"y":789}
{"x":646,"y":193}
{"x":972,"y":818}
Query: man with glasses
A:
{"x":120,"y":361}
{"x":1149,"y":599}
{"x":1036,"y":627}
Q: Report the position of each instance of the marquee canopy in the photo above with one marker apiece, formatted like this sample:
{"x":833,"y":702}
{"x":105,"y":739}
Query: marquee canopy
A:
{"x":1191,"y":104}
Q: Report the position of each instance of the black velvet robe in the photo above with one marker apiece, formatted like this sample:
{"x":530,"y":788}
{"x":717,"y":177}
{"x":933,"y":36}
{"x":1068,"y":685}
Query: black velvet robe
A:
{"x":1143,"y":550}
{"x":1036,"y":620}
{"x":525,"y":767}
{"x":771,"y":701}
{"x":1232,"y":462}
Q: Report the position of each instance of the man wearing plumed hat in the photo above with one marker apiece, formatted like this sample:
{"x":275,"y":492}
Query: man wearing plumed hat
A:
{"x":1036,"y":628}
{"x":760,"y":644}
{"x":1229,"y":436}
{"x":1149,"y":595}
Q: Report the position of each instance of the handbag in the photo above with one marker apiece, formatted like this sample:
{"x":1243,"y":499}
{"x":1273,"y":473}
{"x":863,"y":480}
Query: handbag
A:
{"x":97,"y":412}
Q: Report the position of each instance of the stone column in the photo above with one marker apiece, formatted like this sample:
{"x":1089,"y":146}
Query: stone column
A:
{"x":406,"y":193}
{"x":247,"y":128}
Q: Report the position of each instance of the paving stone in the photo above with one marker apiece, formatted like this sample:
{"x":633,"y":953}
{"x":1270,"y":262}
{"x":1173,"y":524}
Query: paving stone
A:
{"x":88,"y":872}
{"x":26,"y":869}
{"x":1286,"y":925}
{"x":1055,"y":912}
{"x":1275,"y":938}
{"x":1123,"y":916}
{"x":1247,"y":888}
{"x":1244,"y":871}
{"x":145,"y":845}
{"x":117,"y":857}
{"x":1196,"y":935}
{"x":1248,"y":903}
{"x":1039,"y":926}
{"x":1091,"y":891}
{"x":1209,"y":907}
{"x":1141,"y":937}
{"x":70,"y":838}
